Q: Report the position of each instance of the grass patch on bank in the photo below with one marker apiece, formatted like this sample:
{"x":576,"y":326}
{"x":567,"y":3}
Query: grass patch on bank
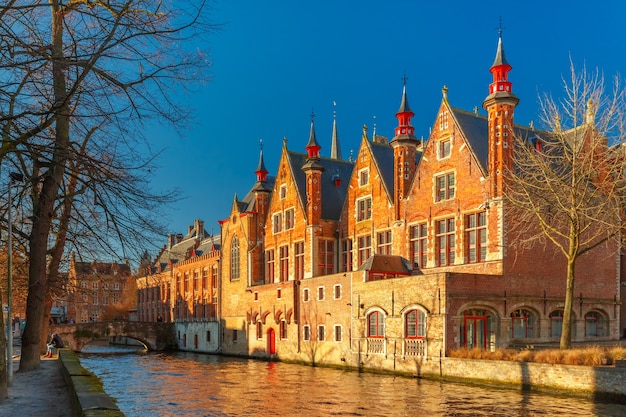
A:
{"x":586,"y":356}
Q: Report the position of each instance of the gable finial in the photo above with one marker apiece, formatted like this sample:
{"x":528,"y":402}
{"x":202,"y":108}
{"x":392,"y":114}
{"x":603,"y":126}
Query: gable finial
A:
{"x":261,"y":144}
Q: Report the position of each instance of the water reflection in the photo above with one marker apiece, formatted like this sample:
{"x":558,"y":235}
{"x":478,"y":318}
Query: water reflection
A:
{"x":187,"y":384}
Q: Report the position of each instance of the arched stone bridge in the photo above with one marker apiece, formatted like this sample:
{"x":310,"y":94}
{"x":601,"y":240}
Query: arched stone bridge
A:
{"x":156,"y":336}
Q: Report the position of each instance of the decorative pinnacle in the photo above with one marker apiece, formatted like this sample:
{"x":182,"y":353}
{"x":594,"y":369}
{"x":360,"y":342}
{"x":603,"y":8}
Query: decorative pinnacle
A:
{"x":404,"y":79}
{"x":500,"y":28}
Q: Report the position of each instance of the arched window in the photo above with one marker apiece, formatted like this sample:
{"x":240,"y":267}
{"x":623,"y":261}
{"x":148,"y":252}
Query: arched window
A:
{"x":376,"y":324}
{"x":522,"y":324}
{"x":595,"y":324}
{"x":478,"y":329}
{"x":556,"y":323}
{"x":415,"y":324}
{"x":234,"y":259}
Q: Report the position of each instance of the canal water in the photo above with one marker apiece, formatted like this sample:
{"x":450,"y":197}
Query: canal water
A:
{"x":188,"y":384}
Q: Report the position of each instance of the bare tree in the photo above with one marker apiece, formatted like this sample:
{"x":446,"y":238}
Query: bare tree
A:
{"x":81,"y":79}
{"x":567,"y":187}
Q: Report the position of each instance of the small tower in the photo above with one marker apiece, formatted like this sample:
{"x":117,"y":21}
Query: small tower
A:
{"x":261,"y":189}
{"x":313,"y":170}
{"x":500,"y":105}
{"x":404,"y":145}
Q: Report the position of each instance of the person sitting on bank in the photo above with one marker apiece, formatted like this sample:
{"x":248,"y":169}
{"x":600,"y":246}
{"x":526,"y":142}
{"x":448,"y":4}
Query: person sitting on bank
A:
{"x":55,"y":342}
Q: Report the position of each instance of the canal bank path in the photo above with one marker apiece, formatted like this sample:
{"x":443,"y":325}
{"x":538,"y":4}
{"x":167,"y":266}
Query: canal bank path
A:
{"x":42,"y":392}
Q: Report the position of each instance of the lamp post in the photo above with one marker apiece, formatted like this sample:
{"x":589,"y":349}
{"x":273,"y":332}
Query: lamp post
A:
{"x":13,"y":178}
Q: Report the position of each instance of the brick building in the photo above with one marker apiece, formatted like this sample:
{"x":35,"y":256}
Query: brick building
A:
{"x":93,"y":287}
{"x":400,"y":254}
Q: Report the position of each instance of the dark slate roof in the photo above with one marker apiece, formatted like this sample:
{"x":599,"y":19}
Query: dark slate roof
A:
{"x":208,"y":245}
{"x":387,"y":264}
{"x":475,"y":129}
{"x":101,"y":268}
{"x":248,"y":202}
{"x":382,"y":153}
{"x":333,"y":198}
{"x":404,"y":104}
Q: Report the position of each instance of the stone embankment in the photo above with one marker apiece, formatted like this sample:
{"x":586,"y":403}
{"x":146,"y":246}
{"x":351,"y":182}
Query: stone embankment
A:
{"x":87,"y":394}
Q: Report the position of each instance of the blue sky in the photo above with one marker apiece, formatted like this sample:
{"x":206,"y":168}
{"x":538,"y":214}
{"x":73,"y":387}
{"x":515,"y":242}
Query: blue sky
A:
{"x":273,"y":62}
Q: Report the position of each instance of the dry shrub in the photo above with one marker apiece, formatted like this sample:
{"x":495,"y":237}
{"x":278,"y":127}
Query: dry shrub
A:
{"x":525,"y":356}
{"x":551,"y":356}
{"x":617,"y":353}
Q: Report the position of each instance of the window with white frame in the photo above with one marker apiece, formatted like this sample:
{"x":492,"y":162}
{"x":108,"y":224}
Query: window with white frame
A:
{"x":298,"y":249}
{"x":364,"y":209}
{"x":346,"y":255}
{"x":418,"y":236}
{"x":364,"y":177}
{"x":306,"y":332}
{"x":284,"y":262}
{"x":476,"y":237}
{"x":444,"y":187}
{"x":321,"y":333}
{"x":277,"y":222}
{"x":338,"y":333}
{"x":337,"y":291}
{"x":283,"y":191}
{"x":445,"y":239}
{"x":443,"y":120}
{"x":383,"y":243}
{"x":365,"y":248}
{"x":306,"y":295}
{"x":320,"y":293}
{"x":326,"y":256}
{"x":444,"y":148}
{"x":290,"y":218}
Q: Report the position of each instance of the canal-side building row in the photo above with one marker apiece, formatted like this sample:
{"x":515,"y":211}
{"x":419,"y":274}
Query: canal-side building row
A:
{"x":386,"y":260}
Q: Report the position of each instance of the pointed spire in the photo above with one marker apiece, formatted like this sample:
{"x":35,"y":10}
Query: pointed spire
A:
{"x":313,"y":148}
{"x":261,"y":171}
{"x":500,"y":85}
{"x":335,"y":149}
{"x":404,"y":116}
{"x":404,"y":104}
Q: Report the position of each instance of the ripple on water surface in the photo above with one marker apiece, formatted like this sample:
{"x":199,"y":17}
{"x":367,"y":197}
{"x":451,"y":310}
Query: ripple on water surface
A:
{"x":187,"y":384}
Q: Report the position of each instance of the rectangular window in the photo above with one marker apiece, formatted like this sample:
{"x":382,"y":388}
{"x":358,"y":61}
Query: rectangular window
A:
{"x":208,"y":335}
{"x":444,"y":230}
{"x":234,"y":335}
{"x":364,"y":175}
{"x":305,"y":295}
{"x":418,"y":241}
{"x":338,"y":333}
{"x":298,"y":248}
{"x":306,"y":332}
{"x":444,"y":187}
{"x":320,"y":293}
{"x":279,"y":293}
{"x":187,"y":282}
{"x":346,"y":255}
{"x":83,"y":284}
{"x":283,"y":191}
{"x":105,"y":285}
{"x":196,"y":281}
{"x":337,"y":292}
{"x":269,"y":262}
{"x":94,"y":285}
{"x":321,"y":333}
{"x":116,"y":286}
{"x":290,"y":219}
{"x":284,"y":263}
{"x":445,"y":148}
{"x":383,"y":246}
{"x":476,"y":237}
{"x":365,"y":248}
{"x":326,"y":256}
{"x":283,"y":329}
{"x":443,"y":120}
{"x":364,"y":209}
{"x":214,"y":277}
{"x":205,"y":279}
{"x":277,"y":222}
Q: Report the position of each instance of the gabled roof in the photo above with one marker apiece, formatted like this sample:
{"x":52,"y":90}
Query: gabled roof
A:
{"x":101,"y":268}
{"x":248,"y":201}
{"x":333,"y":197}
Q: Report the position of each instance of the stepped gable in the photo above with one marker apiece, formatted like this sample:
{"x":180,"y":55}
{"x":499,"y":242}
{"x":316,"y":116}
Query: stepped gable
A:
{"x":333,"y":197}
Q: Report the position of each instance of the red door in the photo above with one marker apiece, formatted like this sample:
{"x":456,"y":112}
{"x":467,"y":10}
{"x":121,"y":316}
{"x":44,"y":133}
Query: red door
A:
{"x":271,"y":341}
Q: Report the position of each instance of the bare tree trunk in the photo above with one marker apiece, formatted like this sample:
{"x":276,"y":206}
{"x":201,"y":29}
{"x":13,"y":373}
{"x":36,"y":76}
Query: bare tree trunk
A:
{"x":4,"y":391}
{"x":43,"y":207}
{"x":566,"y":331}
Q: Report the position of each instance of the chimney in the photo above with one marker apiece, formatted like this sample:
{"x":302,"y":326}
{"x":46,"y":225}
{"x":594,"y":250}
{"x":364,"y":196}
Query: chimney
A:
{"x":199,"y":226}
{"x":171,"y":241}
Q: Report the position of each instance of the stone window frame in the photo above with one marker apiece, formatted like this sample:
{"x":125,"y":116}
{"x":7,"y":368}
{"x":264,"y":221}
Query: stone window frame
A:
{"x":363,"y":213}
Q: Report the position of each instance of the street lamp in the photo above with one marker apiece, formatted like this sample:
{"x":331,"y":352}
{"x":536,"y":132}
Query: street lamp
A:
{"x":13,"y":178}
